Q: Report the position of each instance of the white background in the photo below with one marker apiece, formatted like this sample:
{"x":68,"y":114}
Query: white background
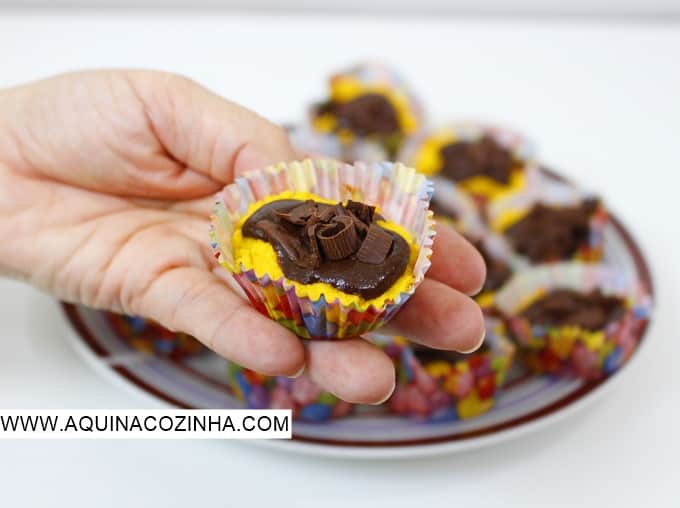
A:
{"x":603,"y":104}
{"x":656,"y":9}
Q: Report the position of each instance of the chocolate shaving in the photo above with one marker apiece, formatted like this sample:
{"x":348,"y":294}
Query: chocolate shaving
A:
{"x":291,"y":245}
{"x":361,"y":211}
{"x":326,"y":214}
{"x":339,"y":239}
{"x":298,"y":215}
{"x":361,"y":227}
{"x":310,"y":230}
{"x":376,"y":246}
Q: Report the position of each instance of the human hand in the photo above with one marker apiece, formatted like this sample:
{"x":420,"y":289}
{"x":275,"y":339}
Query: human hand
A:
{"x":106,"y":183}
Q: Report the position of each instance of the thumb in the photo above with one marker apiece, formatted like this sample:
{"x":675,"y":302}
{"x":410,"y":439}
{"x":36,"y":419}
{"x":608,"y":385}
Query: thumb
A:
{"x":208,"y":133}
{"x":134,"y":133}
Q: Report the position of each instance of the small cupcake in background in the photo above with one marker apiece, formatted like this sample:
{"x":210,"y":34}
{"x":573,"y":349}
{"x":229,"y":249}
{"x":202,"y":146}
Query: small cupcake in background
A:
{"x":371,"y":103}
{"x":438,"y":386}
{"x":301,"y":395}
{"x":551,"y":221}
{"x":577,"y":319}
{"x":149,"y":337}
{"x":326,"y":249}
{"x":484,"y":161}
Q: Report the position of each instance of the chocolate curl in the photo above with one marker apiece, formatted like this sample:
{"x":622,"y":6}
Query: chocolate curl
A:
{"x":326,"y":214}
{"x":292,"y":246}
{"x":311,"y":228}
{"x":362,"y":228}
{"x":376,"y":246}
{"x":298,"y":215}
{"x":338,"y":244}
{"x":361,"y":211}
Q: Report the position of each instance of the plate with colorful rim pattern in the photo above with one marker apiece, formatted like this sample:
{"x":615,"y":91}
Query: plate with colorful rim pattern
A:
{"x":198,"y":380}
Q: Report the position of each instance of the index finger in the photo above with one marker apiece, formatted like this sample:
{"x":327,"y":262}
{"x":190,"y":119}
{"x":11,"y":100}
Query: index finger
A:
{"x":456,"y":262}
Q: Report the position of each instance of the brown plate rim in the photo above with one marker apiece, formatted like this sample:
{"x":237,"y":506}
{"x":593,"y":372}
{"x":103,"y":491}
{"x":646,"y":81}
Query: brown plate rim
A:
{"x":76,"y":322}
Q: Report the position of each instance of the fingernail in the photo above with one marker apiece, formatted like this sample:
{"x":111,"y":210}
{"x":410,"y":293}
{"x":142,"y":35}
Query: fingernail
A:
{"x":394,"y":386}
{"x":298,"y":373}
{"x":478,"y":290}
{"x":479,"y":344}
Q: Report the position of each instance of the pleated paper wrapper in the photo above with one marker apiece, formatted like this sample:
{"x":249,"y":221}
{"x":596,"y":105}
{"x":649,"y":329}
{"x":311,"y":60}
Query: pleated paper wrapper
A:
{"x":573,"y":350}
{"x":403,"y":197}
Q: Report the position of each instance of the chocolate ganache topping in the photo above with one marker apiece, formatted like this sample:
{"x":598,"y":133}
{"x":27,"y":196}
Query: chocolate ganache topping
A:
{"x":341,"y":245}
{"x":551,"y":233}
{"x":483,"y":157}
{"x":561,"y":307}
{"x":370,"y":114}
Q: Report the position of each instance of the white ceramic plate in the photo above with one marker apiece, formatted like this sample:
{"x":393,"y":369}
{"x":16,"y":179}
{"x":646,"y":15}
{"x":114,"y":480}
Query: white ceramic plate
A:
{"x":526,"y":403}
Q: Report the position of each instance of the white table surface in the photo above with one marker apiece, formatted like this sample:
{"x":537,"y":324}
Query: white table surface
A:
{"x":602,"y":102}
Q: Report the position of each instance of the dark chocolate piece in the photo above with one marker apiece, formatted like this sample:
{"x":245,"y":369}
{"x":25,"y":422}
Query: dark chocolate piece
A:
{"x":376,"y":246}
{"x":369,"y":114}
{"x":339,"y":245}
{"x":566,"y":307}
{"x":552,"y":233}
{"x":338,"y":239}
{"x":361,"y":211}
{"x":483,"y":157}
{"x":298,"y":215}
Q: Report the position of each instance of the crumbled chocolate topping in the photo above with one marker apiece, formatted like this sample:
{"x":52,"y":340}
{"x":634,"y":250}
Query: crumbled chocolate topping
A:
{"x":552,"y":233}
{"x":483,"y":157}
{"x":562,"y":307}
{"x":341,"y":245}
{"x":370,"y":114}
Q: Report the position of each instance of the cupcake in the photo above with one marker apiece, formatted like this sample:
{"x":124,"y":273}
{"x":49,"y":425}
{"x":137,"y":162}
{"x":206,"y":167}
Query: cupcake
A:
{"x":328,"y":250}
{"x":486,"y":162}
{"x":149,"y":337}
{"x":551,"y":221}
{"x":301,"y":395}
{"x":311,"y":142}
{"x":578,"y":319}
{"x":368,"y":102}
{"x":434,"y":385}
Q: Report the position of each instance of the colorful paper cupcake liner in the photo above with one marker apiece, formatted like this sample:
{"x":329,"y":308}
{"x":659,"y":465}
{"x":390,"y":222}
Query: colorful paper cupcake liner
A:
{"x":307,"y":401}
{"x":445,"y":388}
{"x":402,"y":196}
{"x":571,"y":350}
{"x":149,"y":337}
